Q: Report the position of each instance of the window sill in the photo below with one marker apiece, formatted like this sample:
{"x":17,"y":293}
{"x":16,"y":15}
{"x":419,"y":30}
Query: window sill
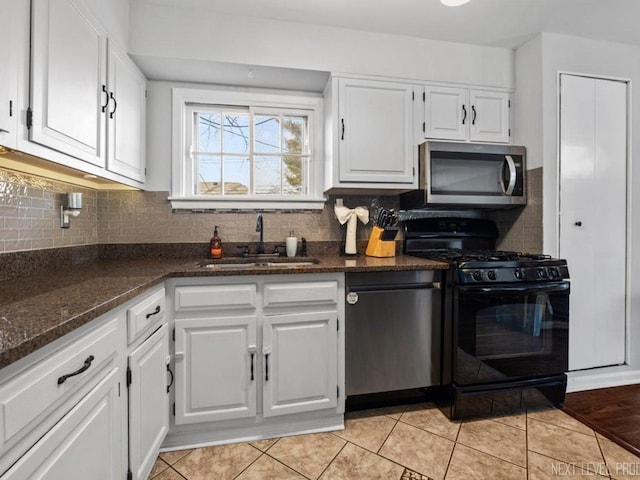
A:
{"x":196,"y":204}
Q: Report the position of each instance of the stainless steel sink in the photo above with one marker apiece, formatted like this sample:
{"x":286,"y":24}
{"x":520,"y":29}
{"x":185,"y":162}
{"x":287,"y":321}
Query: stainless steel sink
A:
{"x":249,"y":264}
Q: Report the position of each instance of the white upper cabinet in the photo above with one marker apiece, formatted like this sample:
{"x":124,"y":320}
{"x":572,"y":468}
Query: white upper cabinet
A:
{"x":369,"y":135}
{"x":10,"y":12}
{"x":127,"y":114}
{"x":88,"y":99}
{"x":466,"y":115}
{"x":68,"y":81}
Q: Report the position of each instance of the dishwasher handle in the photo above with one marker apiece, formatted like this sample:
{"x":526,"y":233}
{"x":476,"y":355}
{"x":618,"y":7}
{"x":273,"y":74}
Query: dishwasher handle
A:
{"x":393,"y":287}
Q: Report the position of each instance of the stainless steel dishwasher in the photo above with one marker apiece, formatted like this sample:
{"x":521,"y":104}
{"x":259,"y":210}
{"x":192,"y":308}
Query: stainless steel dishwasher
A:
{"x":392,"y":331}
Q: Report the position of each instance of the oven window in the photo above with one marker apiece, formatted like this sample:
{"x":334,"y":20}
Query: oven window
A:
{"x":514,"y":333}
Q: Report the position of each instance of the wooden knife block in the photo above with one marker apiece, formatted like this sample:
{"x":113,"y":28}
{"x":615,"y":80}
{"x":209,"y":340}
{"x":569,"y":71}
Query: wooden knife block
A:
{"x":377,"y":247}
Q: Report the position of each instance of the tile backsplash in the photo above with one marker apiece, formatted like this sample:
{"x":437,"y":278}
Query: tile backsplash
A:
{"x":30,"y":216}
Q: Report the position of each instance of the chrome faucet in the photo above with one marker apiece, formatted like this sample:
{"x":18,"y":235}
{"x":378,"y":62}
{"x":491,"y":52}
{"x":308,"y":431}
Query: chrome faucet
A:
{"x":260,"y":228}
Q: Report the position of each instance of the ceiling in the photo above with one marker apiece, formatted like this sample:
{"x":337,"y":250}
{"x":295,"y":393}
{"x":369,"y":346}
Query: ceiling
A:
{"x":500,"y":23}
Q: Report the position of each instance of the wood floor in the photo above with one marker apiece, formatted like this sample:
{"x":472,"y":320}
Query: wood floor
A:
{"x":612,"y":412}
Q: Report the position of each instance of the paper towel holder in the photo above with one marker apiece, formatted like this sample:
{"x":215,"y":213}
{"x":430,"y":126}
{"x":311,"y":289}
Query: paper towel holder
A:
{"x":74,"y":205}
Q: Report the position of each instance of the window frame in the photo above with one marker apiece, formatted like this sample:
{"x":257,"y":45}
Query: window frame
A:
{"x":183,"y":100}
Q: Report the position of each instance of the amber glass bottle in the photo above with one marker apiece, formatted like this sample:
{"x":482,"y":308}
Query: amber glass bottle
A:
{"x":215,"y":245}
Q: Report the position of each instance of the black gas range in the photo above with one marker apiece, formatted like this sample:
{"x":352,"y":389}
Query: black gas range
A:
{"x":505,"y":317}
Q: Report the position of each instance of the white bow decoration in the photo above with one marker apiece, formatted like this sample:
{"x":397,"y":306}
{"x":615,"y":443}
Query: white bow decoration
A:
{"x":350,"y":217}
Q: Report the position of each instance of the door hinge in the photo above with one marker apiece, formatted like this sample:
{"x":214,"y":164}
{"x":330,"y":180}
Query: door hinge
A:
{"x":145,"y":172}
{"x":338,"y":325}
{"x":338,"y":391}
{"x":128,"y":377}
{"x":129,"y":475}
{"x":424,"y":127}
{"x":509,"y":103}
{"x":424,"y":97}
{"x":509,"y":132}
{"x":173,"y":334}
{"x":145,"y":94}
{"x":118,"y":388}
{"x":11,"y":108}
{"x":174,"y":409}
{"x":29,"y":118}
{"x":413,"y":96}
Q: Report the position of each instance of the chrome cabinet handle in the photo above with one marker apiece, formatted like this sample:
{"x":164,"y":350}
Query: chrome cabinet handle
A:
{"x":84,"y":368}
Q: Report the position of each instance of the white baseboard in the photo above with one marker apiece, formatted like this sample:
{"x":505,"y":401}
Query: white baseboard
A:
{"x":197,"y":436}
{"x":606,"y":377}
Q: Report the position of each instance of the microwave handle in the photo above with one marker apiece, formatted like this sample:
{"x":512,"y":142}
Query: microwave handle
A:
{"x":508,"y":190}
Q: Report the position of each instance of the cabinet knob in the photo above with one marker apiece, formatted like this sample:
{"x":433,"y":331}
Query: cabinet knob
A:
{"x":578,"y":224}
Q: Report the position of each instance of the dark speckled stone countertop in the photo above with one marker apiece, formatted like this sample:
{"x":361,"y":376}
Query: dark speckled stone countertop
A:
{"x":40,"y":308}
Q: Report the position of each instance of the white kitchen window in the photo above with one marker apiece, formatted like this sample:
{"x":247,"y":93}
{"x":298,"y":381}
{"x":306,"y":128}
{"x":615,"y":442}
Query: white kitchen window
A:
{"x":246,"y":150}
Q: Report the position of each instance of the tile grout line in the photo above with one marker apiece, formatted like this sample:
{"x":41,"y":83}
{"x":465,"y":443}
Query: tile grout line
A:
{"x":334,"y":457}
{"x":252,"y":462}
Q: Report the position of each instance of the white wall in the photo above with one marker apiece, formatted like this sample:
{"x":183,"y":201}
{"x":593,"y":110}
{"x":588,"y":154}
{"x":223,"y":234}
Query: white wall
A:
{"x":537,"y":66}
{"x":162,"y":31}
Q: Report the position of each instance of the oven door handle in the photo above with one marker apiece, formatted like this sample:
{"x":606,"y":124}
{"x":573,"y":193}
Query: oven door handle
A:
{"x":511,"y":165}
{"x":535,"y":288}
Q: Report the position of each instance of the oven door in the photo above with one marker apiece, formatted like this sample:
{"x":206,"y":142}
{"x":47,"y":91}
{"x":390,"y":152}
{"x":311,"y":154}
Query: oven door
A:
{"x":511,"y":331}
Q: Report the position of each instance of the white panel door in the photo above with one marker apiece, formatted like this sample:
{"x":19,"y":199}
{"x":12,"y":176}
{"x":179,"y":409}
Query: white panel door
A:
{"x":68,"y":76}
{"x":593,"y":205}
{"x":447,"y":115}
{"x":300,"y":355}
{"x":9,"y":47}
{"x":489,"y":112}
{"x":376,"y":132}
{"x":126,"y":117}
{"x":148,"y":402}
{"x":85,"y":444}
{"x":215,"y":369}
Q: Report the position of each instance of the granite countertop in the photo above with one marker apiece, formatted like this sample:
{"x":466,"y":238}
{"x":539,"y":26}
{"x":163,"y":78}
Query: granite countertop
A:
{"x":37,"y":309}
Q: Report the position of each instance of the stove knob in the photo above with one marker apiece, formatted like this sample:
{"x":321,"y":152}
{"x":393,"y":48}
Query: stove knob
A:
{"x":542,"y":273}
{"x":477,"y":275}
{"x":554,"y":272}
{"x":492,"y":275}
{"x":518,"y":273}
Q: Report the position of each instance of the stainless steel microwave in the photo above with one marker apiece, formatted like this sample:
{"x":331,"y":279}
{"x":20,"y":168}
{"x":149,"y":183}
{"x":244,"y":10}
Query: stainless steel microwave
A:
{"x":469,"y":175}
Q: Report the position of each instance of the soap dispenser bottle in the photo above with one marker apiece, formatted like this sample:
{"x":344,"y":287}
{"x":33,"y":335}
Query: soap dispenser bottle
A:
{"x":215,"y":245}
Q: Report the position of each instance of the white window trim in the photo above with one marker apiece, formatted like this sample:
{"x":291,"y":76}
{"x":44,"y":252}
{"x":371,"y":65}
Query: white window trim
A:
{"x":181,"y":197}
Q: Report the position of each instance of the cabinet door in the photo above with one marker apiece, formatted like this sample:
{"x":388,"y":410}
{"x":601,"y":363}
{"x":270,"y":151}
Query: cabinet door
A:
{"x":593,"y":216}
{"x":215,"y":369}
{"x":447,"y":115}
{"x":376,"y":132}
{"x":9,"y":47}
{"x":489,"y":116}
{"x":84,"y":444}
{"x":300,"y":371}
{"x":148,"y":402}
{"x":68,"y":75}
{"x":126,"y":117}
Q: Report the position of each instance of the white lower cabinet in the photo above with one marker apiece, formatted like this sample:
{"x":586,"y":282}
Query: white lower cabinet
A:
{"x":84,"y":444}
{"x":300,"y":362}
{"x":252,"y":350}
{"x":148,"y":402}
{"x":215,"y":368}
{"x":148,"y":382}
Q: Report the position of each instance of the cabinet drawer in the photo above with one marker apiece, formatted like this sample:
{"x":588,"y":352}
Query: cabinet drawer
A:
{"x":33,"y":394}
{"x":215,"y":297}
{"x":309,"y":293}
{"x":143,"y":315}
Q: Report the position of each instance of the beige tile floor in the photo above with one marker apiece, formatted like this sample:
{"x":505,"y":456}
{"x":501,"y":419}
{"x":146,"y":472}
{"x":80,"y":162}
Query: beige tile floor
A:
{"x":416,"y":442}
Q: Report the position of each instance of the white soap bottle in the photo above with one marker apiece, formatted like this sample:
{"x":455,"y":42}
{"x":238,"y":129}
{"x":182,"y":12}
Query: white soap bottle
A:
{"x":291,"y":243}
